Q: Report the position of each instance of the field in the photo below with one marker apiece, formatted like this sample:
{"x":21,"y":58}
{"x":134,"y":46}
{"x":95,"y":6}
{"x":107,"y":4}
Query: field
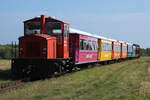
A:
{"x":128,"y":80}
{"x":5,"y":71}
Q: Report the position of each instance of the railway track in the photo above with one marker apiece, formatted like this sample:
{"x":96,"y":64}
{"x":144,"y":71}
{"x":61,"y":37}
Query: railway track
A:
{"x":11,"y":85}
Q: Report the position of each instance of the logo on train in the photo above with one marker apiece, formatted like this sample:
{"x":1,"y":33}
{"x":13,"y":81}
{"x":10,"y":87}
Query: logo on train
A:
{"x":89,"y":56}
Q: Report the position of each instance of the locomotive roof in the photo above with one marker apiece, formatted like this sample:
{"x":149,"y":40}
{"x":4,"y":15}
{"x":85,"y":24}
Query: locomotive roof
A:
{"x":72,"y":30}
{"x":38,"y":18}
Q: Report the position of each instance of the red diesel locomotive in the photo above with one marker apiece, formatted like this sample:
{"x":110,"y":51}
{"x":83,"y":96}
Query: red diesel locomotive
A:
{"x":44,"y":48}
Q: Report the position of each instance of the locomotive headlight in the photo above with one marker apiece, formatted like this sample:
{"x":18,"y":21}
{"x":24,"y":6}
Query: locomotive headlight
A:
{"x":44,"y":52}
{"x":20,"y":51}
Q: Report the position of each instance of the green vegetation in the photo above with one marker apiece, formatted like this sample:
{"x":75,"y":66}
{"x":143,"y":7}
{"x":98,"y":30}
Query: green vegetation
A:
{"x":145,"y":52}
{"x":6,"y":51}
{"x":5,"y":71}
{"x":129,"y":80}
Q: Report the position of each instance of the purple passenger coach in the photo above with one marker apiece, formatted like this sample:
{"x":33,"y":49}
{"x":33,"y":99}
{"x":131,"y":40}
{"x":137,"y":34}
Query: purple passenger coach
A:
{"x":83,"y":47}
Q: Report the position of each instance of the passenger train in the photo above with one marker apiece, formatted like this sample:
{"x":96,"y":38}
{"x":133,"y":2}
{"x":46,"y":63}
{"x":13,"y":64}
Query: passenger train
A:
{"x":50,"y":46}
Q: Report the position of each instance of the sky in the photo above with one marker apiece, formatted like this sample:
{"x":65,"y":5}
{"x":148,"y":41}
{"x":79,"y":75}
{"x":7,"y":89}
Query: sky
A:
{"x":126,"y":20}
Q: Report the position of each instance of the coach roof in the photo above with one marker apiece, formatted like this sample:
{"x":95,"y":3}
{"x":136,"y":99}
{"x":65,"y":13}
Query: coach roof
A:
{"x":71,"y":30}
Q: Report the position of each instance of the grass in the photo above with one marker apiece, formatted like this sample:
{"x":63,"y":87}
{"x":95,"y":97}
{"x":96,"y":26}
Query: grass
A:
{"x":5,"y":71}
{"x":129,"y":80}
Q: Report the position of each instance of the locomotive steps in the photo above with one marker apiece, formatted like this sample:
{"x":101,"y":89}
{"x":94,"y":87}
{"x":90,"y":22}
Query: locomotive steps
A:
{"x":125,"y":80}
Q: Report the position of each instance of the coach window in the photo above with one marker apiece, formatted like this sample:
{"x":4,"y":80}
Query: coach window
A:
{"x":119,"y":48}
{"x":32,"y":27}
{"x":103,"y":47}
{"x":93,"y":45}
{"x":96,"y":45}
{"x":134,"y":48}
{"x":53,"y":28}
{"x":87,"y":44}
{"x":110,"y":47}
{"x":90,"y":45}
{"x":84,"y":44}
{"x":81,"y":44}
{"x":124,"y":48}
{"x":115,"y":48}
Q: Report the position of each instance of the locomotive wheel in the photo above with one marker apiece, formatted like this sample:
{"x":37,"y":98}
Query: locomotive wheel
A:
{"x":69,"y":68}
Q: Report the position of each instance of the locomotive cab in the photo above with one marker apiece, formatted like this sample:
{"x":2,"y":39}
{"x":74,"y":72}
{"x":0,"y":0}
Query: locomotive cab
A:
{"x":48,"y":29}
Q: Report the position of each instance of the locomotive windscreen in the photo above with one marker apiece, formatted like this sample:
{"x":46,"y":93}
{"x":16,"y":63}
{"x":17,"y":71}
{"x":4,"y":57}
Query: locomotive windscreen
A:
{"x":53,"y":28}
{"x":32,"y":27}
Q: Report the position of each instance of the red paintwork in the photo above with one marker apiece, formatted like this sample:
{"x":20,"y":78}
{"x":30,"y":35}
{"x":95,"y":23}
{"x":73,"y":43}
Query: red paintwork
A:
{"x":62,"y":44}
{"x":37,"y":46}
{"x":65,"y":43}
{"x":123,"y":54}
{"x":116,"y":54}
{"x":66,"y":48}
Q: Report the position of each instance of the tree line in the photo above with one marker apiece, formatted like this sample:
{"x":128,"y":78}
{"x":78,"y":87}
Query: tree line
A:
{"x":7,"y":52}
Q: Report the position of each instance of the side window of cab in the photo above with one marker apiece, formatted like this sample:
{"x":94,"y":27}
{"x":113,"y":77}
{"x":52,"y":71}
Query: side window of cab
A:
{"x":65,"y":30}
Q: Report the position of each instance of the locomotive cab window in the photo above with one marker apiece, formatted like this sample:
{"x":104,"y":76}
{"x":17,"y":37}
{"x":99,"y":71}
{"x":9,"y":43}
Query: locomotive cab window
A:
{"x":32,"y":27}
{"x":65,"y":30}
{"x":53,"y":28}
